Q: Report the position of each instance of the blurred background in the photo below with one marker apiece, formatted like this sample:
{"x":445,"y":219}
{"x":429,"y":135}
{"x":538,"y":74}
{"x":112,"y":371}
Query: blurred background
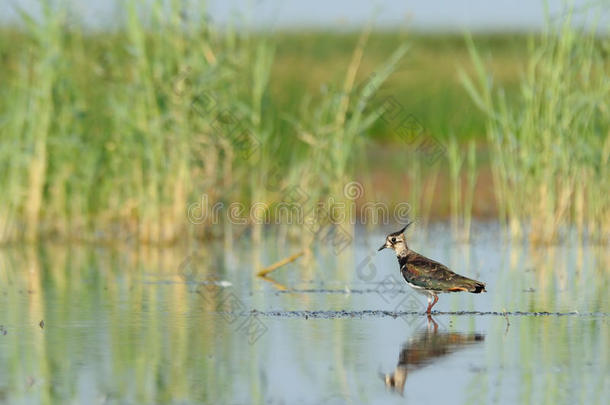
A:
{"x":156,"y":155}
{"x":118,"y":115}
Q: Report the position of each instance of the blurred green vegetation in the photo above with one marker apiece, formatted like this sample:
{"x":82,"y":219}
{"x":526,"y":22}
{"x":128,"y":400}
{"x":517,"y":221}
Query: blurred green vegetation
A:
{"x":551,"y":148}
{"x":426,"y":82}
{"x":113,"y":134}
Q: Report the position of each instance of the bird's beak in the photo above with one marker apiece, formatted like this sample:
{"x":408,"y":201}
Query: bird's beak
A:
{"x":382,"y":247}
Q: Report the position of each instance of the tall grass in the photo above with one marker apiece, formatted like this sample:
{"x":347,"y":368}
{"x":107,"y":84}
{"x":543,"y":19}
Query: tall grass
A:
{"x":110,"y":135}
{"x":462,"y":192}
{"x":550,"y":151}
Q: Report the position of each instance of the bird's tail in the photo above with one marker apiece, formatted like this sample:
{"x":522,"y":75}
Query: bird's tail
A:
{"x":470,"y":285}
{"x":476,"y":287}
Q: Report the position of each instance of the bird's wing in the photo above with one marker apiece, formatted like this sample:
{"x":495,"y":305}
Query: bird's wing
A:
{"x":432,"y":275}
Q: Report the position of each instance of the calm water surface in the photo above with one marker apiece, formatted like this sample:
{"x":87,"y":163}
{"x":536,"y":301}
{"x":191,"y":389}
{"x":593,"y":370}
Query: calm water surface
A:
{"x":151,"y":326}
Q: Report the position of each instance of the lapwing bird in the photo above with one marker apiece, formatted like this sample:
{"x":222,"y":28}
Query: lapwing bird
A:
{"x":425,"y":348}
{"x":425,"y":275}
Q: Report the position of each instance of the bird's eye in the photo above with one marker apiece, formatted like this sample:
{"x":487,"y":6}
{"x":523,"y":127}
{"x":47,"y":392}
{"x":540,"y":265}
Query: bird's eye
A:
{"x":393,"y":240}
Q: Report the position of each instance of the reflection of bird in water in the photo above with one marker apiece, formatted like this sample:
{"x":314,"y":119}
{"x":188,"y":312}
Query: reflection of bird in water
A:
{"x":424,"y":348}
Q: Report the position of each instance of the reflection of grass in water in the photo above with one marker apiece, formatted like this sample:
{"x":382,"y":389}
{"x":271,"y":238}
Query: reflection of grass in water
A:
{"x":556,"y":360}
{"x":144,"y":350}
{"x":151,"y":343}
{"x":558,"y":278}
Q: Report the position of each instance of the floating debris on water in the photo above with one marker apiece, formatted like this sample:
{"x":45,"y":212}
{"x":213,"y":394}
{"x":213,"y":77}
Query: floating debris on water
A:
{"x":219,"y":283}
{"x":345,"y":290}
{"x":322,"y":314}
{"x":277,"y":265}
{"x":223,"y":283}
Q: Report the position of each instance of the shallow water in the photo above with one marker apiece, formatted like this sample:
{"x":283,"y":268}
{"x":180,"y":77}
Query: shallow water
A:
{"x":155,"y":326}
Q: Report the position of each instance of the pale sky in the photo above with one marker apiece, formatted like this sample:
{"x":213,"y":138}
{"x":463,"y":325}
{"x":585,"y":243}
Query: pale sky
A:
{"x":429,"y":15}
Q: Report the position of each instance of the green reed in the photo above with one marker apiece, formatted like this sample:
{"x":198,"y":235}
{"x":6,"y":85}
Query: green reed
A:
{"x":109,"y":136}
{"x":463,"y":182}
{"x":550,"y":150}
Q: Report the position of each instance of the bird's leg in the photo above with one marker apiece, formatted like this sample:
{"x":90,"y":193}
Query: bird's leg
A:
{"x":430,"y":305}
{"x":432,"y":325}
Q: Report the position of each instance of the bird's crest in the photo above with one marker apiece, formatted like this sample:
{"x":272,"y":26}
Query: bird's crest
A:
{"x":397,"y":233}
